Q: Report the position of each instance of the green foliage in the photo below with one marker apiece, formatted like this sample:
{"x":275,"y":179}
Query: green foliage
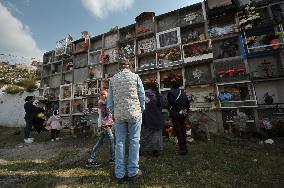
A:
{"x":29,"y":84}
{"x":13,"y":89}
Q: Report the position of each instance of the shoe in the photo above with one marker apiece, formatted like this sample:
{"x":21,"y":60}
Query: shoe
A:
{"x":52,"y":140}
{"x":31,"y":139}
{"x":121,"y":180}
{"x":111,"y":161}
{"x":138,"y":175}
{"x":92,"y":164}
{"x":28,"y":141}
{"x":57,"y":139}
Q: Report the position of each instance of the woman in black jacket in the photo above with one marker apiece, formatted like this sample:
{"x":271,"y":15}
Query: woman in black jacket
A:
{"x":30,"y":110}
{"x":178,"y":107}
{"x":152,"y":121}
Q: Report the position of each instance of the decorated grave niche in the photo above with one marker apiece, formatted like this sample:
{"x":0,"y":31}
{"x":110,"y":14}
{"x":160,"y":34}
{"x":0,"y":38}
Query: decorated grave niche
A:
{"x":168,"y":38}
{"x":146,"y":45}
{"x":79,"y":90}
{"x":80,"y":75}
{"x":170,"y":75}
{"x":169,"y":57}
{"x":195,"y":75}
{"x":65,"y":107}
{"x":96,"y":43}
{"x":92,"y":88}
{"x":190,"y":16}
{"x":222,"y":25}
{"x":145,"y":23}
{"x":81,"y":60}
{"x":268,"y":67}
{"x":110,"y":70}
{"x":109,"y":56}
{"x":230,"y":70}
{"x":95,"y":72}
{"x":65,"y":91}
{"x":236,"y":95}
{"x":269,"y":93}
{"x":67,"y":65}
{"x":94,"y":57}
{"x":149,"y":78}
{"x":239,"y":122}
{"x":146,"y":62}
{"x":201,"y":97}
{"x":226,"y":48}
{"x":127,"y":50}
{"x":263,"y":40}
{"x":252,"y":17}
{"x":167,"y":22}
{"x":78,"y":105}
{"x":197,"y":51}
{"x":193,"y":34}
{"x":53,"y":93}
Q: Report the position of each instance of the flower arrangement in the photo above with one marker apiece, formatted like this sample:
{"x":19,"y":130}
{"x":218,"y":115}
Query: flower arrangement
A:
{"x":66,"y":92}
{"x":196,"y":50}
{"x":142,"y":29}
{"x":249,"y":18}
{"x":171,"y":55}
{"x":65,"y":109}
{"x":150,"y":80}
{"x":104,"y":58}
{"x":171,"y":78}
{"x":251,"y":40}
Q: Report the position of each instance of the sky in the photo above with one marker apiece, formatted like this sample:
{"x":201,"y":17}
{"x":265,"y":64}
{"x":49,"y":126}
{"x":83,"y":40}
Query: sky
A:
{"x":31,"y":27}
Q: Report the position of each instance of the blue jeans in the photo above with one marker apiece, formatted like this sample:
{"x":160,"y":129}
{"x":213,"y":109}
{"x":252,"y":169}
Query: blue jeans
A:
{"x":100,"y":142}
{"x":134,"y":127}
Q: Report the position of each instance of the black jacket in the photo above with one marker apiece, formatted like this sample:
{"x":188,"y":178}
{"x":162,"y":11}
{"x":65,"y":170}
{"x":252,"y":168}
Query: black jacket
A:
{"x":152,"y":117}
{"x":30,"y":110}
{"x":175,"y":106}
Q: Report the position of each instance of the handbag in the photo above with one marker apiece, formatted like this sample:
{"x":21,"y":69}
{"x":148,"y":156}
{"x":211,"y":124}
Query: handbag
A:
{"x":176,"y":100}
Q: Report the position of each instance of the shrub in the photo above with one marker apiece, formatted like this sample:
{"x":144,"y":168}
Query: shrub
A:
{"x":13,"y":89}
{"x":29,"y":84}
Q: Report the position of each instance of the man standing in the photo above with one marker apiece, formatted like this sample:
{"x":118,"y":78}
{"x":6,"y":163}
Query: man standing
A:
{"x":126,"y":101}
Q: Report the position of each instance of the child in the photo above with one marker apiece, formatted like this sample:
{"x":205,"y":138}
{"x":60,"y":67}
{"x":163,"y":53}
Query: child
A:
{"x":106,"y":122}
{"x":54,"y":124}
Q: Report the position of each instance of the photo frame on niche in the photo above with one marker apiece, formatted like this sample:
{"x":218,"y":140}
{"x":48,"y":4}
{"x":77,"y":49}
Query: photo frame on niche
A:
{"x":168,"y":38}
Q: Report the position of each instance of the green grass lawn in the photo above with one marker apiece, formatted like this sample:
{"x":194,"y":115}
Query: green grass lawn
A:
{"x":214,"y":164}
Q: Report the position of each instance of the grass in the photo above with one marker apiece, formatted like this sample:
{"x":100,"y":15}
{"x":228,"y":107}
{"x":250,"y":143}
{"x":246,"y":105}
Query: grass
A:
{"x":215,"y":164}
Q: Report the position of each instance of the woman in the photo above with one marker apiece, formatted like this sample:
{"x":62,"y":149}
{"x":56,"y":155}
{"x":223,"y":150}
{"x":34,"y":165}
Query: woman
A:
{"x":152,"y":121}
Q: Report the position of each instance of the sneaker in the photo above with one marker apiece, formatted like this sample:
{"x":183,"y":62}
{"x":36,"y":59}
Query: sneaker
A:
{"x":111,"y":161}
{"x":57,"y":139}
{"x":32,"y":139}
{"x":92,"y":164}
{"x":138,"y":175}
{"x":28,"y":141}
{"x":52,"y":140}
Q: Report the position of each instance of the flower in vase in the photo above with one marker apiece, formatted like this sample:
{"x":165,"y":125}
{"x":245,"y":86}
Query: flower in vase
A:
{"x":165,"y":78}
{"x":230,"y":72}
{"x":241,"y":70}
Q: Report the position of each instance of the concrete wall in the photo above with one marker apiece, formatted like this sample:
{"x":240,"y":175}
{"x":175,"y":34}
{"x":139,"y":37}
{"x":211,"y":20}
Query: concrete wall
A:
{"x":12,"y":109}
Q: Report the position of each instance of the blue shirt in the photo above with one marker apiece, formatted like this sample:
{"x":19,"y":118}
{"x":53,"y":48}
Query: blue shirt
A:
{"x":141,"y":95}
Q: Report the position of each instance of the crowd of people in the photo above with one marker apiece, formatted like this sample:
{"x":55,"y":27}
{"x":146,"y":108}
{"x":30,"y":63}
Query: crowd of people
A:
{"x":133,"y":112}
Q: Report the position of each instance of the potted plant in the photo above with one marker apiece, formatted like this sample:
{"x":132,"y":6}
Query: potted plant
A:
{"x":249,"y":18}
{"x":251,"y":40}
{"x":273,"y":39}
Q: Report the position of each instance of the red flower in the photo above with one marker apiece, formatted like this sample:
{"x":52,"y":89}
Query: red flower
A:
{"x":230,"y":72}
{"x":241,"y":70}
